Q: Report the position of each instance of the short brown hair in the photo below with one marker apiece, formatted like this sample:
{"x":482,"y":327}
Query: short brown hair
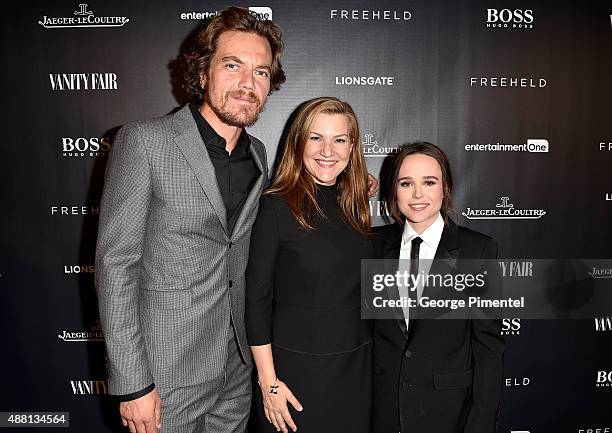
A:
{"x":196,"y":60}
{"x":423,"y":148}
{"x":297,"y":186}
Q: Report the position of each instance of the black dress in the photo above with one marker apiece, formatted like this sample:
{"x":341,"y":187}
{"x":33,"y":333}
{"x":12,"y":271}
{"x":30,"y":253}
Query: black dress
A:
{"x":303,"y":296}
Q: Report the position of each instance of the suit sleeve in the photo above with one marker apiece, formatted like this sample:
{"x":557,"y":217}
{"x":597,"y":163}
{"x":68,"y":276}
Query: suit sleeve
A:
{"x":124,"y":210}
{"x":488,"y":352}
{"x":260,"y":274}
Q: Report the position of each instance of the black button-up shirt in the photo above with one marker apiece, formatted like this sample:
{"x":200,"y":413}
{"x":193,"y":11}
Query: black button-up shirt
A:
{"x":236,"y":172}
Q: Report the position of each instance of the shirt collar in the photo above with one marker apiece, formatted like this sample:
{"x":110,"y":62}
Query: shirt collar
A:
{"x":431,"y":236}
{"x":210,"y":136}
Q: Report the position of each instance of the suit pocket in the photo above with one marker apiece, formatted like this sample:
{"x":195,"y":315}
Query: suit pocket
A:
{"x":455,"y":380}
{"x":166,"y":300}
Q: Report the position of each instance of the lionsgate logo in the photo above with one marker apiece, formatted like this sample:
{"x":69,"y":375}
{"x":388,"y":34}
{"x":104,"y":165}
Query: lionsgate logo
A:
{"x":82,"y":17}
{"x":94,"y":334}
{"x":511,"y":326}
{"x":75,"y":210}
{"x":509,"y":19}
{"x":364,"y":81}
{"x":85,"y":147}
{"x":516,"y":381}
{"x":533,"y":145}
{"x":79,"y":269}
{"x":89,"y":387}
{"x":601,"y":272}
{"x":503,"y":211}
{"x":604,"y":379}
{"x":523,"y":82}
{"x":370,"y":15}
{"x":262,"y":13}
{"x":84,"y":81}
{"x":603,"y":324}
{"x":371,"y":148}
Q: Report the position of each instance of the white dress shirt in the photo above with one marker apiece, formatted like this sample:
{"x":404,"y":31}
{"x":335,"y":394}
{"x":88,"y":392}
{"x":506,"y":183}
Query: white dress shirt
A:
{"x":427,"y":251}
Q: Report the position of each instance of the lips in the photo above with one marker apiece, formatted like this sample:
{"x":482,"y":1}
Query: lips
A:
{"x":417,"y":207}
{"x":248,"y":97}
{"x":325,"y":164}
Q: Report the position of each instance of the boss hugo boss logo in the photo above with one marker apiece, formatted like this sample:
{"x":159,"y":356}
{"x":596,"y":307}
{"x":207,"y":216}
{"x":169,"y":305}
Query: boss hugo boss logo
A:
{"x":511,"y":326}
{"x":85,"y":147}
{"x":82,"y":17}
{"x":507,"y":18}
{"x":84,"y":81}
{"x":604,"y":379}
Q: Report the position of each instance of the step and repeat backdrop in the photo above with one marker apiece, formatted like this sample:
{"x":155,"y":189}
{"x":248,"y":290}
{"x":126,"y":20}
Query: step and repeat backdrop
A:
{"x":519,"y":95}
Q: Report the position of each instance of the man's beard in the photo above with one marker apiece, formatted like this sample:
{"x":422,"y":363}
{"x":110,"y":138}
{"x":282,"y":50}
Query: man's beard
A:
{"x":240,"y":118}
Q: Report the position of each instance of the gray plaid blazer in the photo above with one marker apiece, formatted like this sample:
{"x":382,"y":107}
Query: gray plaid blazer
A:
{"x":168,"y":275}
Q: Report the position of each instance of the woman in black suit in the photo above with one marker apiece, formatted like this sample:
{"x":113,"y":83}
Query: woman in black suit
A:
{"x":434,"y":376}
{"x":310,"y":346}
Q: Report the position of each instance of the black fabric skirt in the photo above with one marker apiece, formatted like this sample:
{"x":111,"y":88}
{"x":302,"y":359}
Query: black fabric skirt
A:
{"x":335,"y":390}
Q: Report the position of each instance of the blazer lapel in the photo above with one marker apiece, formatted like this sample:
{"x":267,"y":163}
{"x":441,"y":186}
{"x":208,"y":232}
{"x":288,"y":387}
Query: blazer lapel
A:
{"x":189,"y":141}
{"x":255,"y":193}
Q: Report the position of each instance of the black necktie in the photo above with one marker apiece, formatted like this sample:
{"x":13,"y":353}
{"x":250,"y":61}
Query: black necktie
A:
{"x":415,"y":248}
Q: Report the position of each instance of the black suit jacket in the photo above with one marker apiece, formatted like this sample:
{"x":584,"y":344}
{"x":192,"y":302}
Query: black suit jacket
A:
{"x":437,"y":376}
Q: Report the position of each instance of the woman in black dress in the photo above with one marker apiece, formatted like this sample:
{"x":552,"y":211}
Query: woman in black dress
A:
{"x":310,"y":346}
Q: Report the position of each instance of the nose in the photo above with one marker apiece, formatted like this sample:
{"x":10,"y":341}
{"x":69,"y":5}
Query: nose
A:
{"x":417,"y":192}
{"x":326,"y":148}
{"x":247,"y":81}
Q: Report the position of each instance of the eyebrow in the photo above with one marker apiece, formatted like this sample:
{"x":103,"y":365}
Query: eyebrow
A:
{"x":335,"y":136}
{"x":237,"y":60}
{"x":424,"y":177}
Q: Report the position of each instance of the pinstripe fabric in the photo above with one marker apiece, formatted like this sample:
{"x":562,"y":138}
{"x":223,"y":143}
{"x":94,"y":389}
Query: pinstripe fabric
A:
{"x":164,"y":259}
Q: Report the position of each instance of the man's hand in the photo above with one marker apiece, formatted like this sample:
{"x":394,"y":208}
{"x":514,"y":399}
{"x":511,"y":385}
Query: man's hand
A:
{"x":372,"y":185}
{"x":142,"y":415}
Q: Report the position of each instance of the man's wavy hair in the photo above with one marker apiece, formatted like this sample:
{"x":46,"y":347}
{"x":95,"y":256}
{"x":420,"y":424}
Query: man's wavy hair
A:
{"x":197,"y":59}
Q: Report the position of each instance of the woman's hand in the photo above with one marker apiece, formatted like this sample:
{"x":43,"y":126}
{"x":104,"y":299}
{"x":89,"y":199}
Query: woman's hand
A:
{"x":275,"y":405}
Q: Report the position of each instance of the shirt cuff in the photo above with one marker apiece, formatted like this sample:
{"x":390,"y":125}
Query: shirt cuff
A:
{"x":137,"y":394}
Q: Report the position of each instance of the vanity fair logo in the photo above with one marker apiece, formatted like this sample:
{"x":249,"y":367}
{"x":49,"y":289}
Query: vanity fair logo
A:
{"x":261,"y":12}
{"x":94,"y":334}
{"x":371,"y":148}
{"x":603,"y":324}
{"x":85,"y":147}
{"x":84,"y":81}
{"x":601,"y":272}
{"x":367,"y":15}
{"x":89,"y":387}
{"x":522,"y":268}
{"x":533,"y":145}
{"x":75,"y":210}
{"x":510,"y":19}
{"x":511,"y":326}
{"x":604,"y":379}
{"x":82,"y":17}
{"x":503,"y":211}
{"x":378,"y":208}
{"x":508,"y":82}
{"x":364,"y":81}
{"x":517,"y":381}
{"x":79,"y":269}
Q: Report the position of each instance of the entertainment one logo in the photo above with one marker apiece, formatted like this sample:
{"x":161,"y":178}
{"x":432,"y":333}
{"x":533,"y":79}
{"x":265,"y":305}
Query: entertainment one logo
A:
{"x":510,"y":19}
{"x":262,"y":13}
{"x":85,"y":147}
{"x":85,"y":81}
{"x":371,"y":148}
{"x":508,"y":82}
{"x":511,"y":326}
{"x":75,"y":210}
{"x":516,"y":381}
{"x":89,"y":387}
{"x":82,"y":17}
{"x":603,"y":324}
{"x":533,"y":145}
{"x":503,"y":211}
{"x":364,"y":81}
{"x":601,"y":273}
{"x":79,"y":269}
{"x":604,"y":379}
{"x":370,"y":15}
{"x":92,"y":335}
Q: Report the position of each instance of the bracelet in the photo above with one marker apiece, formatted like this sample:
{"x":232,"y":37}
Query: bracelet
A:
{"x":273,"y":388}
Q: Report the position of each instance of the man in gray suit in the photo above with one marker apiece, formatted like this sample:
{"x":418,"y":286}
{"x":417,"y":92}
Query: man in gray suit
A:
{"x":180,"y":196}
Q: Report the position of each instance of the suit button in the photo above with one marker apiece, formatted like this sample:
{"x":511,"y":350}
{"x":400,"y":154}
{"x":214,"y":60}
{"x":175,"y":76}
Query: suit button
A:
{"x":230,"y":245}
{"x":231,"y":283}
{"x":406,"y":385}
{"x":407,"y":353}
